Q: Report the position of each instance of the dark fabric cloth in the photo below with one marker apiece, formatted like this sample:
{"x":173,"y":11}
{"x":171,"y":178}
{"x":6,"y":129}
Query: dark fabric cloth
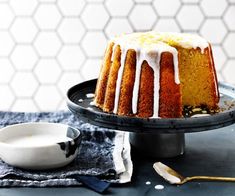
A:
{"x":94,"y":159}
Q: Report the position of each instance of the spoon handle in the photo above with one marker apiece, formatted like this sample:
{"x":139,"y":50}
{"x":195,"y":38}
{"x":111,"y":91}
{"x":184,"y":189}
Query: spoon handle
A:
{"x":210,"y":178}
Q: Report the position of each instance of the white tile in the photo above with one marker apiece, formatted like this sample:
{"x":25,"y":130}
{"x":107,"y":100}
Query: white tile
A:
{"x":140,"y":21}
{"x":7,"y":70}
{"x":220,"y":77}
{"x":95,"y":1}
{"x":119,"y":8}
{"x":47,"y":44}
{"x":71,"y":30}
{"x":47,"y":98}
{"x":47,"y":71}
{"x":167,"y":25}
{"x":94,"y":44}
{"x":6,"y":16}
{"x":71,"y":7}
{"x":63,"y":106}
{"x":229,"y":71}
{"x":24,"y":105}
{"x":91,"y":69}
{"x":7,"y":43}
{"x":143,"y":1}
{"x":24,"y":30}
{"x":117,"y":26}
{"x":23,"y":7}
{"x":210,"y":8}
{"x":166,"y":7}
{"x":219,"y":57}
{"x":190,"y":17}
{"x":190,"y":1}
{"x":24,"y":84}
{"x":210,"y":31}
{"x":95,"y":16}
{"x":6,"y":98}
{"x":229,"y":17}
{"x":71,"y":57}
{"x":47,"y":16}
{"x":229,"y":45}
{"x":68,"y":80}
{"x":24,"y":57}
{"x":47,"y":1}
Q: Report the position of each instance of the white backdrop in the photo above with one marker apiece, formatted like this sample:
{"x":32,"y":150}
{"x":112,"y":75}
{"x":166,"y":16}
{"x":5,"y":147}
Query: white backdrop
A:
{"x":46,"y":46}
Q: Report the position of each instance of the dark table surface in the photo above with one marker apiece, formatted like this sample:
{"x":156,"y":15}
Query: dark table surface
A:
{"x":207,"y":153}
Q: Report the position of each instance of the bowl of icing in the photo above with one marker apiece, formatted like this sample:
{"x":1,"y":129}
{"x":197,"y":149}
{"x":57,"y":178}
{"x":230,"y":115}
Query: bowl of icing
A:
{"x":39,"y":145}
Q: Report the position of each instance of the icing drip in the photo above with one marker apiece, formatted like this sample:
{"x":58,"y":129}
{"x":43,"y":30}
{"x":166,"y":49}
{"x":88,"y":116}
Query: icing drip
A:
{"x":119,"y":79}
{"x":156,"y":71}
{"x":149,"y":46}
{"x":153,"y":58}
{"x":139,"y":61}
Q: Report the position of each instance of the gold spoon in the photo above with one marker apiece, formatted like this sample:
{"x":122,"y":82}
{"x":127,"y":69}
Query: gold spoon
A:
{"x":174,"y":177}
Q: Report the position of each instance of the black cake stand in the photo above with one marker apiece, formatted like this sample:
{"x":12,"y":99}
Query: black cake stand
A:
{"x":155,"y":137}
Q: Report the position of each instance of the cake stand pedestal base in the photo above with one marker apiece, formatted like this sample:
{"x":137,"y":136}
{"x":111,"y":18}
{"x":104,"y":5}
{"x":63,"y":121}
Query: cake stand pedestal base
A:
{"x":158,"y":145}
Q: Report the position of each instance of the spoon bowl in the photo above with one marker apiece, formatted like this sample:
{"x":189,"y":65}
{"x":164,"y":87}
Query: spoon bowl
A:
{"x":174,"y":177}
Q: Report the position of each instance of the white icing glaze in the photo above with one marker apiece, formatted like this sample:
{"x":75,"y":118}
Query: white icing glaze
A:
{"x":199,"y":115}
{"x":148,"y":183}
{"x":159,"y":187}
{"x":119,"y":79}
{"x":149,"y":46}
{"x":90,"y":95}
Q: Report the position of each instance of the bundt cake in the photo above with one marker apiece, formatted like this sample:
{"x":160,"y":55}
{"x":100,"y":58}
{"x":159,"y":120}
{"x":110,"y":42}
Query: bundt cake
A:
{"x":156,"y":74}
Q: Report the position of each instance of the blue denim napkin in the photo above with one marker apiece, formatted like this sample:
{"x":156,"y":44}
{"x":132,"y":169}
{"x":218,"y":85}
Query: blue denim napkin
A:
{"x":104,"y":155}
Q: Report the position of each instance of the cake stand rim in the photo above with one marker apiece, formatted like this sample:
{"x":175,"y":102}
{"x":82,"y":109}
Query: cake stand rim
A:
{"x":149,"y":125}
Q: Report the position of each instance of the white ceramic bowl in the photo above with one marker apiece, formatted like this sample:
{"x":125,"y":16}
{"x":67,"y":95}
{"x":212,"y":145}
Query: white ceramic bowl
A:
{"x":39,"y":145}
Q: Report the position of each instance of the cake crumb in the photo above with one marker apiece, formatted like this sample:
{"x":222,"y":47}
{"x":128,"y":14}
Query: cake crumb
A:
{"x":80,"y":100}
{"x":159,"y":187}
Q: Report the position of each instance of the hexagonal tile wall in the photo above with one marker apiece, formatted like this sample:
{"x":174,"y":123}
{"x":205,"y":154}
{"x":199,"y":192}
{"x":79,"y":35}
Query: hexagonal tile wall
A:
{"x":71,"y":30}
{"x":143,"y":22}
{"x":95,"y":16}
{"x":113,"y":27}
{"x":24,"y":84}
{"x":71,"y":7}
{"x":23,"y":30}
{"x":7,"y":43}
{"x":23,"y":7}
{"x":24,"y":63}
{"x":215,"y":37}
{"x":6,"y":16}
{"x":71,"y":58}
{"x":47,"y":71}
{"x":119,"y":8}
{"x":7,"y":97}
{"x":166,"y":7}
{"x":210,"y":9}
{"x":190,"y":17}
{"x":47,"y":97}
{"x":7,"y":71}
{"x":47,"y":16}
{"x":91,"y":49}
{"x":167,"y":25}
{"x":47,"y":46}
